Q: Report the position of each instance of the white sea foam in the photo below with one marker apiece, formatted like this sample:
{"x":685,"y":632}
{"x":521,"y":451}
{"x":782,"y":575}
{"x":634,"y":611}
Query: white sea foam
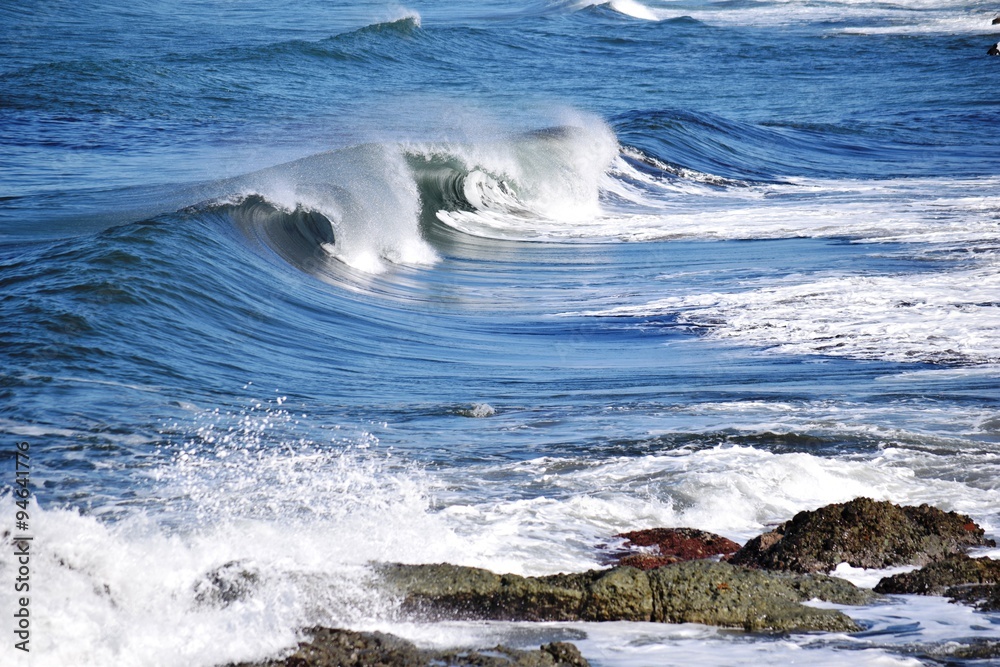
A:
{"x":900,"y":211}
{"x":304,"y":525}
{"x":636,"y":207}
{"x":102,"y":594}
{"x":555,"y":175}
{"x":948,"y":316}
{"x":632,"y":8}
{"x":866,"y":577}
{"x":641,"y":645}
{"x":553,"y":512}
{"x":644,"y":644}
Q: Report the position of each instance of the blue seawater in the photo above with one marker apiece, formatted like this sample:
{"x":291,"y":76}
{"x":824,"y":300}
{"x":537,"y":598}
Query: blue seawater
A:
{"x":305,"y":286}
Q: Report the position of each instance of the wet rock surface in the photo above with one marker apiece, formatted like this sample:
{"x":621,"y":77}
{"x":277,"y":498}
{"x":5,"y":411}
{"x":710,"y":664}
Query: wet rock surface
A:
{"x":975,"y":650}
{"x":344,"y":648}
{"x":690,"y":592}
{"x":228,"y":583}
{"x":863,"y":533}
{"x":446,"y":591}
{"x":673,"y":545}
{"x":984,"y":597}
{"x":724,"y":595}
{"x":937,"y":578}
{"x":974,"y":581}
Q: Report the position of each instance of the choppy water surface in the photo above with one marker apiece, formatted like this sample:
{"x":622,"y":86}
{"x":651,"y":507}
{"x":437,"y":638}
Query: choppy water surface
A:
{"x":306,"y":287}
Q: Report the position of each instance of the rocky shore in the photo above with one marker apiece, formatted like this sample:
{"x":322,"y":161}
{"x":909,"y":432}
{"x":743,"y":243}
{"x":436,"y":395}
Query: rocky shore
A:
{"x":675,"y":575}
{"x":689,"y":592}
{"x":330,"y":647}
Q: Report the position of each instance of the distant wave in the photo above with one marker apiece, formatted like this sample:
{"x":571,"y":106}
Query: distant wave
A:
{"x":357,"y":44}
{"x":632,"y":8}
{"x":908,"y":17}
{"x":405,"y":23}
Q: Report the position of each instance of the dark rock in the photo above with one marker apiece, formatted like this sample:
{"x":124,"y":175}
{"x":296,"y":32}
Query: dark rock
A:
{"x":984,"y":597}
{"x":565,"y":654}
{"x":974,"y":581}
{"x":226,"y":584}
{"x":831,"y":589}
{"x":996,"y":21}
{"x":452,"y":591}
{"x":728,"y":596}
{"x":863,"y":533}
{"x":977,"y":649}
{"x":936,"y":578}
{"x":694,"y":591}
{"x":344,"y":648}
{"x":674,"y":545}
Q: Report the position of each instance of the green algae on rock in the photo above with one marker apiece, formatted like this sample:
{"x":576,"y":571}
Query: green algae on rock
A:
{"x":689,"y":592}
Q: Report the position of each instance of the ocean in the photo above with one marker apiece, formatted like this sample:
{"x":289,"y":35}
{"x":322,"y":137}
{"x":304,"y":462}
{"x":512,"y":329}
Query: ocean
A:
{"x":309,"y":286}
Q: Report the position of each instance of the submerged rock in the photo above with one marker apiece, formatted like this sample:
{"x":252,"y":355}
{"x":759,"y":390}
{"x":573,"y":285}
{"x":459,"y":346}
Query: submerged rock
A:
{"x":973,"y":581}
{"x":977,"y":649}
{"x":863,"y":533}
{"x":478,"y":411}
{"x":674,"y":545}
{"x":690,"y":592}
{"x":344,"y":648}
{"x":228,"y":583}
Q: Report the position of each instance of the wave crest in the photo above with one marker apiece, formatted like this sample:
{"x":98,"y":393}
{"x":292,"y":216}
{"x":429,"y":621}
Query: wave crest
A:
{"x":365,"y":194}
{"x":369,"y":206}
{"x":555,"y":175}
{"x":405,"y":22}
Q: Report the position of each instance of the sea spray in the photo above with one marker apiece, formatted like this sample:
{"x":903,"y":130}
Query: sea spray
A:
{"x":527,"y":182}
